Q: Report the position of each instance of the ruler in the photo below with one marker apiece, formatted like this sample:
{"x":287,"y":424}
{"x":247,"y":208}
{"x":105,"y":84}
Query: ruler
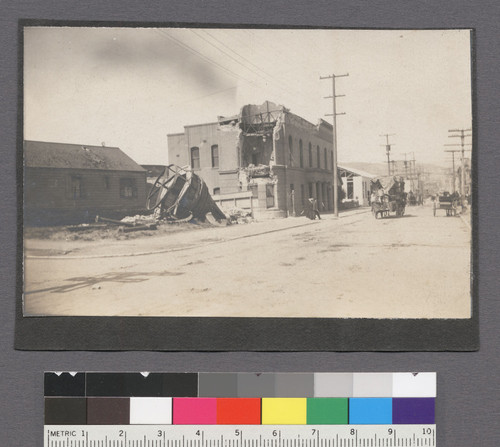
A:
{"x":240,"y":436}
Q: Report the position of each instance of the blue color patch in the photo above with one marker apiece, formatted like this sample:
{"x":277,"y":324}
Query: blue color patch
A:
{"x":370,"y":410}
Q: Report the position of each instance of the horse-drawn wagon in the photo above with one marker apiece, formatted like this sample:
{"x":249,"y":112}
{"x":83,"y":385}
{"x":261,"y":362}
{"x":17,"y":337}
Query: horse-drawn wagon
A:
{"x":448,"y":202}
{"x":388,"y":196}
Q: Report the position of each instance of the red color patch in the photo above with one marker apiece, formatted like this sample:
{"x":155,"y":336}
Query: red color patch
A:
{"x":238,"y":411}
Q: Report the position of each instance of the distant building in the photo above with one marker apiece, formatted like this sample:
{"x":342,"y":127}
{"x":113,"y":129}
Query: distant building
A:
{"x":282,"y":158}
{"x":72,"y":183}
{"x":355,"y":184}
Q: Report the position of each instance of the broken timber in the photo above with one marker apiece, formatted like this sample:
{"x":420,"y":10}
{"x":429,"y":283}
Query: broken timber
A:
{"x":179,"y":193}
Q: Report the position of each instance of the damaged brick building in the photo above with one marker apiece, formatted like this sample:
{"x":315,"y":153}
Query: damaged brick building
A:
{"x":279,"y":156}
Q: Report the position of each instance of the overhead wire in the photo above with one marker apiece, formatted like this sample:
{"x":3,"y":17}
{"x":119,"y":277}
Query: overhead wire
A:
{"x":209,"y":60}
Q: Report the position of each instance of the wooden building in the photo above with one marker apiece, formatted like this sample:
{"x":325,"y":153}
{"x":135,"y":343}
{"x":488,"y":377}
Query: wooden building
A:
{"x":355,"y":184}
{"x":72,"y":183}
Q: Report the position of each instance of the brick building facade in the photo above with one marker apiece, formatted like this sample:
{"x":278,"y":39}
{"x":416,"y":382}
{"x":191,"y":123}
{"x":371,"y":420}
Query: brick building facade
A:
{"x":282,"y":158}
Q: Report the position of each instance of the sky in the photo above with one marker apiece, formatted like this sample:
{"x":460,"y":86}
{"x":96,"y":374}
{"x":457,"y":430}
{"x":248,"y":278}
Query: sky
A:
{"x":130,"y":87}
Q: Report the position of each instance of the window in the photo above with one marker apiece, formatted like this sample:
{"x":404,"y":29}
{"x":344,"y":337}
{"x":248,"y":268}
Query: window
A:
{"x":195,"y":157}
{"x":310,"y":155}
{"x":76,"y":187}
{"x":255,"y":191}
{"x":128,"y":188}
{"x":350,"y":188}
{"x":318,"y":156}
{"x":302,"y":195}
{"x":311,"y":190}
{"x":269,"y":196}
{"x":216,"y":191}
{"x":301,"y":154}
{"x":290,"y":149}
{"x":326,"y":159}
{"x":215,"y":156}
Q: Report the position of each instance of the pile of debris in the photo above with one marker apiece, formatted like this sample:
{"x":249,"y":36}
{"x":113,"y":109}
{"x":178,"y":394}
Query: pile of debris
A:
{"x":238,"y":216}
{"x":131,"y":223}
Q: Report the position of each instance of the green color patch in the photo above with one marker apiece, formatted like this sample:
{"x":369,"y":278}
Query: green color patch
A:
{"x":325,"y":410}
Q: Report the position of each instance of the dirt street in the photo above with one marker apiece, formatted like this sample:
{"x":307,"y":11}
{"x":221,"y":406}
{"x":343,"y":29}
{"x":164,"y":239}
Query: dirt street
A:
{"x":417,"y":266}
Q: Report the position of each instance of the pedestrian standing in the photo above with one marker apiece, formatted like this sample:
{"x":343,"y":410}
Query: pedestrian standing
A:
{"x":315,"y":210}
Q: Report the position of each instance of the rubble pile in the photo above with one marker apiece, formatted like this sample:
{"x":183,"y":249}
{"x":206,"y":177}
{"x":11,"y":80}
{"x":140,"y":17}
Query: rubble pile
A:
{"x":238,"y":216}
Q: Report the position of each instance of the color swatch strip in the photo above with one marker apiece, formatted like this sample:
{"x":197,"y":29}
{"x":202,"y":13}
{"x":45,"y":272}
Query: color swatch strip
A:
{"x":239,"y":398}
{"x":241,"y":385}
{"x":237,"y":411}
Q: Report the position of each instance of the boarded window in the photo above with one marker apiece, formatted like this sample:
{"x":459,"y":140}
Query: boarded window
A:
{"x":195,"y":157}
{"x":128,"y":188}
{"x":215,"y":156}
{"x":310,"y":155}
{"x":318,"y":156}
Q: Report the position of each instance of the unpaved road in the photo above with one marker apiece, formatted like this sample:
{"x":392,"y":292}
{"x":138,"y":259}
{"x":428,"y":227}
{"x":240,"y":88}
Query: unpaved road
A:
{"x":417,"y":266}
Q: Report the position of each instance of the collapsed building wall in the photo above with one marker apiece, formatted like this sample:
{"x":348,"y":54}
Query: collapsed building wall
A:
{"x":280,"y":157}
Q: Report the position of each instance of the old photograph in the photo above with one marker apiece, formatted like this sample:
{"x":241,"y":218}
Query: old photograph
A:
{"x":247,"y":172}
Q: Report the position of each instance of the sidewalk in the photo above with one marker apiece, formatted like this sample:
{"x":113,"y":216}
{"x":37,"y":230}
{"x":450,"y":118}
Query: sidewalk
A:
{"x":178,"y":241}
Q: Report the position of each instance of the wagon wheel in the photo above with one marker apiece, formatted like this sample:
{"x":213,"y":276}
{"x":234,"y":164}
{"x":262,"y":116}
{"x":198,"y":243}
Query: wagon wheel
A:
{"x":156,"y":190}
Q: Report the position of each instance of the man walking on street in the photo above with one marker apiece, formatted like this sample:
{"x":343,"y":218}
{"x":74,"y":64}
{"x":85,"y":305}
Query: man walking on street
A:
{"x":315,"y":211}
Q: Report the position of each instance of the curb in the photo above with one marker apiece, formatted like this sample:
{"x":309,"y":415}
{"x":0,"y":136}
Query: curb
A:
{"x":172,"y":250}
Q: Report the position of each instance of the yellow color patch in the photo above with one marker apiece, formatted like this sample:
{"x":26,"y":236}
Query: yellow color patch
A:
{"x":284,"y":411}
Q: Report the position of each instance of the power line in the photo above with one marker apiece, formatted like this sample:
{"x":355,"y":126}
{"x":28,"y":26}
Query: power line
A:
{"x":225,"y":53}
{"x":209,"y":60}
{"x":205,"y":58}
{"x":460,"y":133}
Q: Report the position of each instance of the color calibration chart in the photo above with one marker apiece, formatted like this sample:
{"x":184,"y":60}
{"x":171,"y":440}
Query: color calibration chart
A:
{"x":93,"y":409}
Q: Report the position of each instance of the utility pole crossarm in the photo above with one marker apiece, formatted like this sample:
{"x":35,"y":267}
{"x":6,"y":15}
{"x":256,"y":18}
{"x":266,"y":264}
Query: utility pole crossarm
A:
{"x":459,"y":133}
{"x":388,"y":150}
{"x":334,"y":115}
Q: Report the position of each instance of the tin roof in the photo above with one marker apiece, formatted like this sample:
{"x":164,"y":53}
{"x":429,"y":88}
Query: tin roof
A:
{"x":40,"y":154}
{"x":356,"y":171}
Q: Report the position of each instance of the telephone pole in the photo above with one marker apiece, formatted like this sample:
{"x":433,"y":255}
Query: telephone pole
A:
{"x":453,"y":164}
{"x":334,"y":97}
{"x":462,"y":135}
{"x":388,"y":150}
